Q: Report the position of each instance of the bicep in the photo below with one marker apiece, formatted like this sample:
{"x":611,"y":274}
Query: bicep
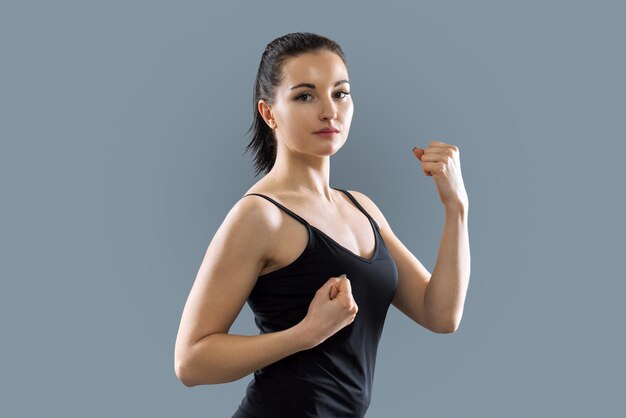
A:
{"x":226,"y":276}
{"x":413,"y":277}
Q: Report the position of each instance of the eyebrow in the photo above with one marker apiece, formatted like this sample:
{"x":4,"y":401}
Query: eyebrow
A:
{"x":312,"y":86}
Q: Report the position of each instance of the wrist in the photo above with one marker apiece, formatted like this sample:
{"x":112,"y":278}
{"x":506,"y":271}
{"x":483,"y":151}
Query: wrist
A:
{"x":457,"y":207}
{"x":305,"y":336}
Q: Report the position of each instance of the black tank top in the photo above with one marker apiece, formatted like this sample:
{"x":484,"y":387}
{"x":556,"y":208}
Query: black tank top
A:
{"x":334,"y":378}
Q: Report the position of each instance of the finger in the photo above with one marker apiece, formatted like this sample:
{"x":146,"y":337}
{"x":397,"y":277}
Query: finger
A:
{"x":428,"y":160}
{"x":329,"y":283}
{"x":439,"y":144}
{"x":333,"y":292}
{"x":335,"y":279}
{"x":429,"y":167}
{"x":435,"y":150}
{"x":433,"y":156}
{"x":344,"y":286}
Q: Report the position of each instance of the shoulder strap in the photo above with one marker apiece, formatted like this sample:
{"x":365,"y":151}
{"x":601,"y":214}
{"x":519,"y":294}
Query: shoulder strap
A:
{"x":291,"y":213}
{"x":358,"y":205}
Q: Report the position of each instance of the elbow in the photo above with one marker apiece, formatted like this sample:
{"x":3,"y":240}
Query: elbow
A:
{"x":188,"y":374}
{"x":445,"y":327}
{"x":182,"y":373}
{"x":448,"y":329}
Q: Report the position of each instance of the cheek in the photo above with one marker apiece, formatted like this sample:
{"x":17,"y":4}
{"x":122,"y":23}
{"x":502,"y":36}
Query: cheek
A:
{"x":294,"y":116}
{"x":349,"y":111}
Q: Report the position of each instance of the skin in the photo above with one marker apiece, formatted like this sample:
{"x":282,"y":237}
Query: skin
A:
{"x":300,"y":179}
{"x":205,"y":352}
{"x":302,"y":163}
{"x":302,"y":166}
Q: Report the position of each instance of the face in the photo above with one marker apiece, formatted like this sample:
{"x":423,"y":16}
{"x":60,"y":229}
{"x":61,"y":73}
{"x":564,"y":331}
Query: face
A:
{"x":298,"y":112}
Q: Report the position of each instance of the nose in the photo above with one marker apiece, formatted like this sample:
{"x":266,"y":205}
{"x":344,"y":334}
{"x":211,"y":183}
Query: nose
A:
{"x":329,"y":110}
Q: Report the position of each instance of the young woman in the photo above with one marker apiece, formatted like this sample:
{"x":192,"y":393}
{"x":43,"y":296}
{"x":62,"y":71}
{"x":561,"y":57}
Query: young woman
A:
{"x":319,"y":266}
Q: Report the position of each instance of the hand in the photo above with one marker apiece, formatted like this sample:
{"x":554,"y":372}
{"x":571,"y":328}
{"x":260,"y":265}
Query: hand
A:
{"x":442,"y":162}
{"x":333,"y":307}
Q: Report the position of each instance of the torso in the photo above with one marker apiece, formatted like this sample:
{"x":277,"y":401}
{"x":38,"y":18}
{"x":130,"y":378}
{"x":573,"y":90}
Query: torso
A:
{"x":343,"y":222}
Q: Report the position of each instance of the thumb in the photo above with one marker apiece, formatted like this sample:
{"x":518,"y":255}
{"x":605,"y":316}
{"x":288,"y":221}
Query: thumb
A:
{"x":418,"y":152}
{"x":344,"y":286}
{"x":334,"y":280}
{"x":334,"y":289}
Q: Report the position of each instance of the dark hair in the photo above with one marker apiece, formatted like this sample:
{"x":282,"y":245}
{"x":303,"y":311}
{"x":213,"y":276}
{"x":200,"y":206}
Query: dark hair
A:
{"x":269,"y":76}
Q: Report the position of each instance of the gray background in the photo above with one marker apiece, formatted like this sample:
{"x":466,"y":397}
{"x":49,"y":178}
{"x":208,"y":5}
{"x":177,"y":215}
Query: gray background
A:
{"x":123,"y":129}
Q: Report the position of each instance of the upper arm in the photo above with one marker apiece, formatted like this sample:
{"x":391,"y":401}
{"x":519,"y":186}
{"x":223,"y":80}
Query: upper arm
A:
{"x":413,"y":277}
{"x":234,"y":258}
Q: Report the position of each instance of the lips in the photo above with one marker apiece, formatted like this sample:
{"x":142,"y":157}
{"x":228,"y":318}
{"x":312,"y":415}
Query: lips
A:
{"x":326,"y":131}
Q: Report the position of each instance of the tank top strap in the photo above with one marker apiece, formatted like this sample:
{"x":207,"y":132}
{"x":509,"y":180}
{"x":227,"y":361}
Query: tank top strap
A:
{"x":358,"y":205}
{"x":290,"y":212}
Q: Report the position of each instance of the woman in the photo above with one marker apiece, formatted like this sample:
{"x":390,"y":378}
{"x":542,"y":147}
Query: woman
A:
{"x":319,"y":266}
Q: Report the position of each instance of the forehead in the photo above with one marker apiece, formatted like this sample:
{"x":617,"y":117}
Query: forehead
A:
{"x":321,"y":67}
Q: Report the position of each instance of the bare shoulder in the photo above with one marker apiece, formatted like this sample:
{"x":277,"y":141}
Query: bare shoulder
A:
{"x":249,"y":219}
{"x":233,"y":260}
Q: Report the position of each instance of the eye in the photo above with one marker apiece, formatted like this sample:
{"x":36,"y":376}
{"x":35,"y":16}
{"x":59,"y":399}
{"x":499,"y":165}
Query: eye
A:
{"x":345,"y":93}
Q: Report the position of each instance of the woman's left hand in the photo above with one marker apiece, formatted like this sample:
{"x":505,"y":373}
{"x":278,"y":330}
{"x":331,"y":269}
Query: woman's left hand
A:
{"x":442,"y":162}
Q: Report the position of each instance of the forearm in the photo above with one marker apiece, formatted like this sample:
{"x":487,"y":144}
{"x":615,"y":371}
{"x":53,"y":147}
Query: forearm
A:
{"x":222,"y":358}
{"x":445,"y":294}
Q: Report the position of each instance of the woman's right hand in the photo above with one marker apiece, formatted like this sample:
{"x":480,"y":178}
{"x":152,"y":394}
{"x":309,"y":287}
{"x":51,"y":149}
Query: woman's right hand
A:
{"x":331,"y":309}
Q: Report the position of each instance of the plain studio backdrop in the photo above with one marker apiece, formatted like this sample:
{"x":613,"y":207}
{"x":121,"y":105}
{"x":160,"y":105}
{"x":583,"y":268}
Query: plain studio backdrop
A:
{"x":123,"y":128}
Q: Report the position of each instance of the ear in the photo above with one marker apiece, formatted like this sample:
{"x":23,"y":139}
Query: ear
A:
{"x":266,"y":113}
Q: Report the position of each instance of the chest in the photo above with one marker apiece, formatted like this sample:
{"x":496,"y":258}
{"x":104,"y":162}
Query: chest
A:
{"x":348,"y":228}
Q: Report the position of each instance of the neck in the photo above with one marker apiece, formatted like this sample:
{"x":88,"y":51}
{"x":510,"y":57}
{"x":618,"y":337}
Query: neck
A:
{"x":301,"y":174}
